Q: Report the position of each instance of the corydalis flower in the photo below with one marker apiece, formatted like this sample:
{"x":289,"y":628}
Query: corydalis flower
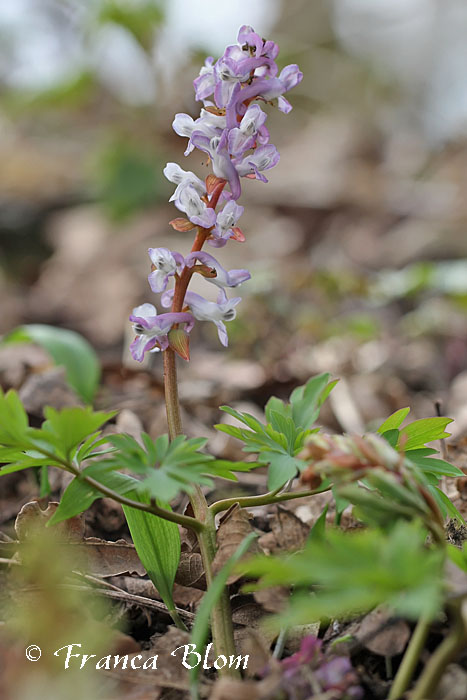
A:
{"x":252,"y":41}
{"x":204,"y":310}
{"x":333,"y":677}
{"x":249,"y":131}
{"x":226,"y":225}
{"x":223,"y":278}
{"x":265,"y":89}
{"x":222,"y":165}
{"x":152,"y":329}
{"x":166,"y":264}
{"x":208,"y":124}
{"x":189,"y":201}
{"x":262,"y":158}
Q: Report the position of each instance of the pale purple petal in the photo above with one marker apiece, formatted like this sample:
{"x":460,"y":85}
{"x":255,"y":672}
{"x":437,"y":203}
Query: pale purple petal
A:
{"x":145,"y":314}
{"x":169,"y":319}
{"x":224,"y":278}
{"x":183,"y":125}
{"x":140,"y":345}
{"x":236,"y":277}
{"x":263,"y":158}
{"x":206,"y":219}
{"x":283,"y":105}
{"x":219,"y":242}
{"x":204,"y":83}
{"x":222,"y":333}
{"x":166,"y":298}
{"x":158,"y":281}
{"x":240,"y":142}
{"x":290,"y":76}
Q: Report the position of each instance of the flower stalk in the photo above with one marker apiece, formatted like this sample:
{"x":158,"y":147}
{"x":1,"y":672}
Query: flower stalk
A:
{"x":231,"y":132}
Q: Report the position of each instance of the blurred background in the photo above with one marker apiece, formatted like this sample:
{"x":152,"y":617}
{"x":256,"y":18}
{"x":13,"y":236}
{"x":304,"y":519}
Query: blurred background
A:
{"x":357,"y":249}
{"x":357,"y":246}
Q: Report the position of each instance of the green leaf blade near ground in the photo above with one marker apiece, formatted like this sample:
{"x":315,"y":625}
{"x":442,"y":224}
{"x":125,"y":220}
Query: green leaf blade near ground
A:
{"x":68,"y":349}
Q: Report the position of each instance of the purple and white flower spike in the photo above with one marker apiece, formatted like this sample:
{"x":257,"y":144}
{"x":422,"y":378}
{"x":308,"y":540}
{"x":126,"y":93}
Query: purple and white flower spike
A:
{"x":231,"y":131}
{"x":152,"y":329}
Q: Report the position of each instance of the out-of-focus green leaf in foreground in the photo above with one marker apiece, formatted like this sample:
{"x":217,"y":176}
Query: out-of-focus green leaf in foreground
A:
{"x":350,"y":573}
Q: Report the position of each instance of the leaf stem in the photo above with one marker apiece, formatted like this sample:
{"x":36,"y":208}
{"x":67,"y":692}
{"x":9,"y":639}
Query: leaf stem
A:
{"x":411,"y":657}
{"x":449,"y":648}
{"x":183,"y":520}
{"x":262,"y":500}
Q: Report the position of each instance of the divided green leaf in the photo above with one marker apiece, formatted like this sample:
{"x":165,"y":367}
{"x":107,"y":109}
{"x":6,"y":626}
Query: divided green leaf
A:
{"x":279,"y":441}
{"x":353,"y":573}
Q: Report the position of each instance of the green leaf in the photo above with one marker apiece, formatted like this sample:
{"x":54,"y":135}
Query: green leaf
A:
{"x":394,"y":421}
{"x":307,"y":399}
{"x":279,"y":441}
{"x":282,"y":467}
{"x":157,"y":542}
{"x":446,"y":506}
{"x":372,"y":508}
{"x":418,"y":433}
{"x":168,"y":467}
{"x":13,"y":420}
{"x":67,"y":428}
{"x":230,"y":430}
{"x":200,"y":629}
{"x":278,"y":406}
{"x":68,"y":349}
{"x":318,"y":531}
{"x":428,"y":465}
{"x":458,"y":556}
{"x":353,"y":572}
{"x":79,"y":495}
{"x":44,"y":489}
{"x":391,"y":436}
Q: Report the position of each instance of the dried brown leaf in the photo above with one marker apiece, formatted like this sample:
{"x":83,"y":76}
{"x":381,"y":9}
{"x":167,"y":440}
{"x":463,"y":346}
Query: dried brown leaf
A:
{"x":272,"y":599}
{"x":246,"y":611}
{"x":233,"y":528}
{"x":381,"y":635}
{"x":290,"y":532}
{"x":256,"y":643}
{"x":17,"y":360}
{"x":48,"y":388}
{"x":105,"y":558}
{"x":32,"y":519}
{"x":190,"y":571}
{"x":227,"y":688}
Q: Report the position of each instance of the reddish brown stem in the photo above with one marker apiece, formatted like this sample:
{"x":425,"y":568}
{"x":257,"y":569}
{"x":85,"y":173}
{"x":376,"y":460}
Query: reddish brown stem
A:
{"x":181,"y":285}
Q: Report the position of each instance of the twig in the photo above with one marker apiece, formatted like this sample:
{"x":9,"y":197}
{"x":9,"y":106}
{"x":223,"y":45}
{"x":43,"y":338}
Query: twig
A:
{"x":132,"y":598}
